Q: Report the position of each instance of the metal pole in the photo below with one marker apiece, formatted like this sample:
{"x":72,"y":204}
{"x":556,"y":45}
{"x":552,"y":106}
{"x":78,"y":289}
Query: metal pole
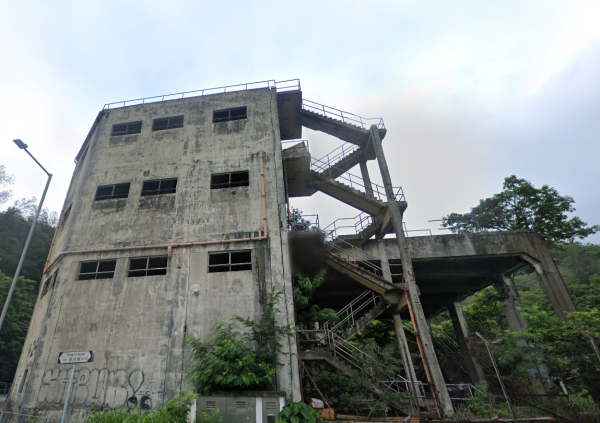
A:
{"x":487,"y":346}
{"x":24,"y":253}
{"x":62,"y":420}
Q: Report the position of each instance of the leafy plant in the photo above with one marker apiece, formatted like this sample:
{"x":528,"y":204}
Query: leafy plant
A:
{"x":175,"y":411}
{"x":299,"y":412}
{"x":230,"y":361}
{"x":522,"y":206}
{"x":304,"y":289}
{"x":297,"y":223}
{"x":214,"y":417}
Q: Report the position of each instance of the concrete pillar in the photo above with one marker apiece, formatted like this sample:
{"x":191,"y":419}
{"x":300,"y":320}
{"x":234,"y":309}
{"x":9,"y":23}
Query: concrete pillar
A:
{"x":409,"y":368}
{"x":552,"y":281}
{"x":424,"y":340}
{"x":463,"y":336}
{"x":366,"y":178}
{"x":511,"y":304}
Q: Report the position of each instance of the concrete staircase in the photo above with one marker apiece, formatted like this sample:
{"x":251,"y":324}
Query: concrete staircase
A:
{"x":363,"y":321}
{"x":337,"y":169}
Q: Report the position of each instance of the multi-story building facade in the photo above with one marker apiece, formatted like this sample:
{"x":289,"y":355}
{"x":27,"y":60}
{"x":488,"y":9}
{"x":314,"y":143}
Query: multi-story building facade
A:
{"x":177,"y":215}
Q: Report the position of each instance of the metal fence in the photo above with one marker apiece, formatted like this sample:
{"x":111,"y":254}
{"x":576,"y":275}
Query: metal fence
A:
{"x":5,"y":388}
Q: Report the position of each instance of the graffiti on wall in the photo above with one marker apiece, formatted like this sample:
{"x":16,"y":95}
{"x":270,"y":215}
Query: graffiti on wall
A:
{"x":106,"y":388}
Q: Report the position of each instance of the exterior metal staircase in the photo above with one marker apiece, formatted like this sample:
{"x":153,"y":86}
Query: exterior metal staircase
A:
{"x":357,"y":315}
{"x":343,"y":125}
{"x":326,"y":346}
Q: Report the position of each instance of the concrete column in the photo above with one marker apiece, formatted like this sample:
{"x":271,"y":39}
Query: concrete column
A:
{"x":366,"y":178}
{"x":463,"y":335}
{"x":409,"y":368}
{"x":424,"y":340}
{"x":511,"y":304}
{"x":552,"y":281}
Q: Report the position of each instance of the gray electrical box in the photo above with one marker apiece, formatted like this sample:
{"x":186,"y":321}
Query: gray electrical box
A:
{"x":246,"y":407}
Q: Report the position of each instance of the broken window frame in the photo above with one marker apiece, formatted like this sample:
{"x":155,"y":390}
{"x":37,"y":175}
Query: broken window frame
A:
{"x":130,"y":128}
{"x":100,"y":271}
{"x":112,"y":195}
{"x":148,"y":270}
{"x":159,"y":190}
{"x":233,"y":113}
{"x":172,"y":122}
{"x":49,"y":284}
{"x":231,"y":265}
{"x":230,"y":184}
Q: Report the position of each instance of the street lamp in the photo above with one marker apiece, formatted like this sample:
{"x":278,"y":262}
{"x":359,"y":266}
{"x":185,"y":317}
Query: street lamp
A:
{"x":23,"y":146}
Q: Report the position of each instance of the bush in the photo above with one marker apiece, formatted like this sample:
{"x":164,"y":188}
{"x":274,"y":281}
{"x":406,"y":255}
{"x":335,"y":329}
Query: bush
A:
{"x":175,"y":411}
{"x":299,"y":412}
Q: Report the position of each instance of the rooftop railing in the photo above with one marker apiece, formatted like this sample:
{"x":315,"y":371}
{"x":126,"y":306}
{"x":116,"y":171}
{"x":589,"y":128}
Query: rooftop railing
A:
{"x":346,"y":117}
{"x":281,"y":86}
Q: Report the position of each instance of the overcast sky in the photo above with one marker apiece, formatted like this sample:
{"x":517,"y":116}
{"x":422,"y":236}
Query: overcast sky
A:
{"x":470,"y":91}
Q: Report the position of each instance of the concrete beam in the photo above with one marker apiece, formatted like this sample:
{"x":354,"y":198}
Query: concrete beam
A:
{"x":463,"y":338}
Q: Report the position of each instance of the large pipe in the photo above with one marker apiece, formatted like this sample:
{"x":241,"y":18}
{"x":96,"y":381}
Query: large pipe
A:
{"x":169,"y":247}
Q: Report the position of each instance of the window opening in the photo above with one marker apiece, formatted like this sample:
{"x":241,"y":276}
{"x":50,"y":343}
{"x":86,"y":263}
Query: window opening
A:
{"x":49,"y":284}
{"x":230,"y":261}
{"x":102,"y":269}
{"x":109,"y":192}
{"x":230,"y":180}
{"x":66,"y":216}
{"x":234,"y":113}
{"x":161,"y":186}
{"x":167,"y":123}
{"x":126,"y":128}
{"x":147,"y":266}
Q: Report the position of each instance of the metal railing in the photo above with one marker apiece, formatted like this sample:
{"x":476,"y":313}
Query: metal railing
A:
{"x":357,"y":223}
{"x":346,"y":117}
{"x":294,"y":142}
{"x":6,"y":417}
{"x":356,"y":255}
{"x":347,"y":315}
{"x":338,"y":154}
{"x":359,"y":359}
{"x":281,"y":86}
{"x":354,"y":181}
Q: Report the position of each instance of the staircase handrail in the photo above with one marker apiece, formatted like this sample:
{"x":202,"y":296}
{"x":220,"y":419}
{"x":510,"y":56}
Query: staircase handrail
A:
{"x":350,"y":354}
{"x":335,"y":156}
{"x":361,"y":221}
{"x":322,"y":167}
{"x":357,"y":255}
{"x":346,"y":117}
{"x":349,"y":312}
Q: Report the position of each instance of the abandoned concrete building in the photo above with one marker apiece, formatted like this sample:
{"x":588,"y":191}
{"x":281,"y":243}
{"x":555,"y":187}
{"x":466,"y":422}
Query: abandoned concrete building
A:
{"x":177,"y":214}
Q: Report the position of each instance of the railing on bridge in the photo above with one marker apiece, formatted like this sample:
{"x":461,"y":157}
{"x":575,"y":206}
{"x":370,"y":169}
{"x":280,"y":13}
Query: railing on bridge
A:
{"x":346,"y":117}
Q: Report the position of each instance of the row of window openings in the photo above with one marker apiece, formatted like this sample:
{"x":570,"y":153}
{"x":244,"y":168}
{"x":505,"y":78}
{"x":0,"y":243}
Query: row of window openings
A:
{"x":169,"y":186}
{"x":230,"y":261}
{"x":173,"y":122}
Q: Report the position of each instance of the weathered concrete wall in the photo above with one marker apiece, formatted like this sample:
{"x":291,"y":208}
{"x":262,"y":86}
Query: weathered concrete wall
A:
{"x":136,"y":325}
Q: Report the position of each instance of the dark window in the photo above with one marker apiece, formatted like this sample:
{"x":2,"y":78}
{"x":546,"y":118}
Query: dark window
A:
{"x":162,"y":186}
{"x":230,"y":261}
{"x":108,"y":192}
{"x":126,"y":128}
{"x":66,"y":216}
{"x":103,"y":269}
{"x":230,"y":114}
{"x":229,"y":180}
{"x":49,"y":284}
{"x":147,"y":266}
{"x":167,"y":123}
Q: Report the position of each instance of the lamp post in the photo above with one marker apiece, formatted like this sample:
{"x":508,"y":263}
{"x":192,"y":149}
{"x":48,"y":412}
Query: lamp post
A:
{"x":23,"y":146}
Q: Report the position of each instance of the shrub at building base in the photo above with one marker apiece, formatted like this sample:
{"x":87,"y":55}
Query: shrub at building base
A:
{"x":299,"y":412}
{"x":175,"y":411}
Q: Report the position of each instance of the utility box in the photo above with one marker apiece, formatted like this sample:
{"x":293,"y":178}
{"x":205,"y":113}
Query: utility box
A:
{"x":244,"y":407}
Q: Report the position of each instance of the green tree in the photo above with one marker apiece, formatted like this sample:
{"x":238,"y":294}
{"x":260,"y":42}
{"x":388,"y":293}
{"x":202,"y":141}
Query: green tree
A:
{"x":14,"y":330}
{"x":5,"y":181}
{"x":522,"y":206}
{"x":296,"y":223}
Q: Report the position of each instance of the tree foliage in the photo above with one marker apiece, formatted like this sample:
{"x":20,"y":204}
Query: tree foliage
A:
{"x":297,"y":223}
{"x":16,"y":324}
{"x":239,"y":358}
{"x":5,"y":181}
{"x":522,"y":206}
{"x":299,"y":412}
{"x":304,"y":288}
